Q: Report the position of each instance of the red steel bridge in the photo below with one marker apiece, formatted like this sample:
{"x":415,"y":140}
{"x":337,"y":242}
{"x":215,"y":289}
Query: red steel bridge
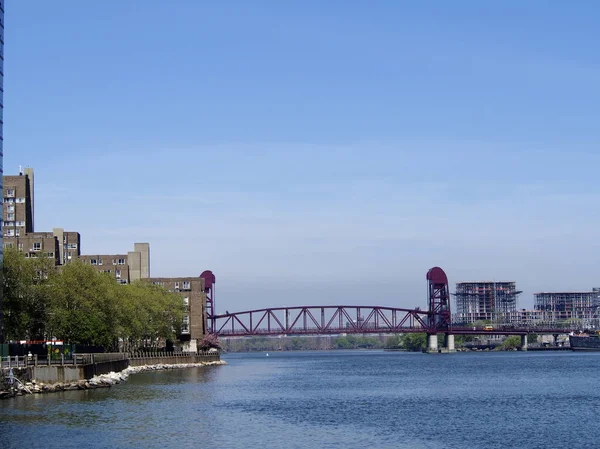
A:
{"x":329,"y":320}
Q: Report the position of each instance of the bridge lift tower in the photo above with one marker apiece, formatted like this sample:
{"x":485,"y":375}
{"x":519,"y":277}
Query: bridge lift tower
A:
{"x":440,"y":319}
{"x":209,"y":289}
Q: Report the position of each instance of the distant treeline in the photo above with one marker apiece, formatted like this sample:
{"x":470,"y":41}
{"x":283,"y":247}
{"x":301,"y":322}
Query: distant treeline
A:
{"x":249,"y":344}
{"x":407,"y":342}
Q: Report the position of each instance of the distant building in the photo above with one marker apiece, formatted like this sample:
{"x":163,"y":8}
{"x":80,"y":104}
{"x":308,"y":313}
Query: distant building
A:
{"x":126,"y":268}
{"x":524,"y":317}
{"x":193,"y":295}
{"x":484,"y":300}
{"x":18,"y":212}
{"x":578,"y":308}
{"x":46,"y":244}
{"x":18,"y":207}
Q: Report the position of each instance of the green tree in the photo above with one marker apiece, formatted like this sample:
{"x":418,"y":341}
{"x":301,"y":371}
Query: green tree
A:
{"x":413,"y":342}
{"x":26,"y":295}
{"x":342,"y":343}
{"x":84,"y":307}
{"x":148,"y":314}
{"x":512,"y":342}
{"x":392,"y":342}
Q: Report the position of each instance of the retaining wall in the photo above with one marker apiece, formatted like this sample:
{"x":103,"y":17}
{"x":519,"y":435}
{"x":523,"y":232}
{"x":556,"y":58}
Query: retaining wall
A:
{"x":55,"y":374}
{"x":90,"y":365}
{"x":167,"y":359}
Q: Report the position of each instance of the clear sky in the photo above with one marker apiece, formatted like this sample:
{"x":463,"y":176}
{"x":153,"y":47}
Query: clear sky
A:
{"x":315,"y":152}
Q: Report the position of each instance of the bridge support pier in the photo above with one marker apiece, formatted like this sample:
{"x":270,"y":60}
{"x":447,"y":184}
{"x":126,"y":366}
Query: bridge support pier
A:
{"x":524,"y":342}
{"x":432,"y":343}
{"x":450,"y":342}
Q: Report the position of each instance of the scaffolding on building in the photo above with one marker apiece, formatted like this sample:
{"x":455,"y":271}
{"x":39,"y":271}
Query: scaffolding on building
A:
{"x":485,"y":301}
{"x":582,"y":308}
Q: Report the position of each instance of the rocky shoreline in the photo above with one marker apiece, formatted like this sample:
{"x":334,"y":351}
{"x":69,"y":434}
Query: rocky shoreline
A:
{"x":101,"y":381}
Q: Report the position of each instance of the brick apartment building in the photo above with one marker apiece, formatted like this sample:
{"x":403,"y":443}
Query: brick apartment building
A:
{"x":18,"y":208}
{"x":127,"y":267}
{"x":55,"y":245}
{"x":64,"y":247}
{"x":192,"y":293}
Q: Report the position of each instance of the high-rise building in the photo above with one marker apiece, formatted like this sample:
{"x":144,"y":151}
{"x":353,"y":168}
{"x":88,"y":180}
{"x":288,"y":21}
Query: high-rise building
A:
{"x":576,"y":308}
{"x":1,"y":149}
{"x":18,"y":210}
{"x":484,"y":300}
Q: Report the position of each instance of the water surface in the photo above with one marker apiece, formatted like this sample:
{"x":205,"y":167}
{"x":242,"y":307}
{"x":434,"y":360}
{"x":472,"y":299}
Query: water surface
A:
{"x":336,"y":399}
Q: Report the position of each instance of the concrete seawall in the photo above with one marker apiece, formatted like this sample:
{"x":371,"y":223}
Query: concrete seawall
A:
{"x":98,"y":364}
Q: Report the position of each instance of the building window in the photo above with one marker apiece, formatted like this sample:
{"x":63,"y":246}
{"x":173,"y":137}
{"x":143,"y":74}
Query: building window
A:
{"x":118,"y":274}
{"x":20,"y":200}
{"x":99,"y":261}
{"x":72,"y":246}
{"x":186,"y":301}
{"x":186,"y":285}
{"x":9,"y":233}
{"x":10,"y":216}
{"x":9,"y":223}
{"x":10,"y":193}
{"x":69,"y":255}
{"x":37,"y":246}
{"x":121,"y":261}
{"x":50,"y":254}
{"x":10,"y":200}
{"x":20,"y":223}
{"x":185,"y":326}
{"x":11,"y":208}
{"x":93,"y":261}
{"x":17,"y":232}
{"x":8,"y":245}
{"x":20,"y":246}
{"x":176,"y":285}
{"x":122,"y":281}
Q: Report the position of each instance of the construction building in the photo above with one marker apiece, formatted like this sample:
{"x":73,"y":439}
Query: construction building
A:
{"x":193,"y":294}
{"x":485,"y":301}
{"x":579,"y":308}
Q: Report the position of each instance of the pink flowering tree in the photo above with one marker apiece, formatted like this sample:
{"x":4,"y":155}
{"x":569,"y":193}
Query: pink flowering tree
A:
{"x":210,"y":341}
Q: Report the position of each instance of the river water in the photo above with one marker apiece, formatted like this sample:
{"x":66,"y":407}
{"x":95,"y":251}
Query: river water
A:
{"x":336,"y":399}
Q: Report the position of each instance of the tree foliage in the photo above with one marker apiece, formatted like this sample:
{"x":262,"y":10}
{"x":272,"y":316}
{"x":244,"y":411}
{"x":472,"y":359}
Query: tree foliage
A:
{"x":510,"y":343}
{"x":77,"y":304}
{"x":26,"y":295}
{"x":210,"y":341}
{"x":413,"y":342}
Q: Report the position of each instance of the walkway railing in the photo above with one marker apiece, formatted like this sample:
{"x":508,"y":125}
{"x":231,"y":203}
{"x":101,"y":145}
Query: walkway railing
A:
{"x":87,"y":359}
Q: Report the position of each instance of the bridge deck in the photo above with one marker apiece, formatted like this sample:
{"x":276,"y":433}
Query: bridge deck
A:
{"x":333,"y":320}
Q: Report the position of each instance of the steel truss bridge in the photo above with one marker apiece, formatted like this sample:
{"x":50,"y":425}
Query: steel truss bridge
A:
{"x":352,"y":319}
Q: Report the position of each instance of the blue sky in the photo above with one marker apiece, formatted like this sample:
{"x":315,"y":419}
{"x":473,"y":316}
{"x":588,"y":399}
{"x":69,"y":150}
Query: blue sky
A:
{"x":314,"y":152}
